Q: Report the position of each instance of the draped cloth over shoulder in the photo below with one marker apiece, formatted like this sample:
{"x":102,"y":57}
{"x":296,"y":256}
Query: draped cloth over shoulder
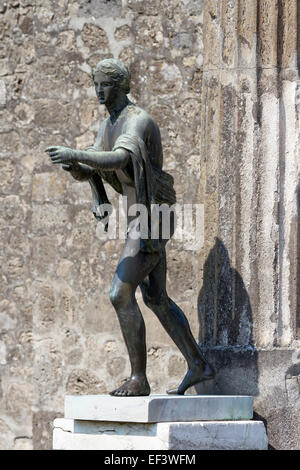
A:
{"x":152,"y":184}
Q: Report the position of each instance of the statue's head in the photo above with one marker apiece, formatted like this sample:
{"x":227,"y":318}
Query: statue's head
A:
{"x":110,"y":77}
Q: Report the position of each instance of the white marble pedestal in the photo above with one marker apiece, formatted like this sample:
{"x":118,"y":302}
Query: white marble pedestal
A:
{"x":159,"y":422}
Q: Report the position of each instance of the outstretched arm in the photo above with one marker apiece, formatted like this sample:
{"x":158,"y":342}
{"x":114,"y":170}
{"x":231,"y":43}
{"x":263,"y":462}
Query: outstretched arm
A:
{"x":113,"y":160}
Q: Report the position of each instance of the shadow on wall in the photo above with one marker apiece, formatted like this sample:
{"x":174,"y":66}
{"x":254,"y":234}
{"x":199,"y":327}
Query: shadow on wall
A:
{"x":225,"y":319}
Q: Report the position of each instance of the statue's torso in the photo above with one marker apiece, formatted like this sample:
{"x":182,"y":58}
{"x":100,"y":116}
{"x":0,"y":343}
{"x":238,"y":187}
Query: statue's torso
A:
{"x":135,"y":121}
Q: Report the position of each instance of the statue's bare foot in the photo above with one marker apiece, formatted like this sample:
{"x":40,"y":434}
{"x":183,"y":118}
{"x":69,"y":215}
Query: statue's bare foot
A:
{"x":194,"y":375}
{"x":134,"y":387}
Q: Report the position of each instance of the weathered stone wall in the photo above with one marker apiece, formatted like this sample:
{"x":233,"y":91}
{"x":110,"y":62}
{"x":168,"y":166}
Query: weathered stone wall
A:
{"x":221,"y":78}
{"x":250,"y":174}
{"x":59,"y":334}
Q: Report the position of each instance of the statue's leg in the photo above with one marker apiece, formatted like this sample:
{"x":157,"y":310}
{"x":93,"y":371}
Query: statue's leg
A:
{"x":176,"y":324}
{"x":132,"y":268}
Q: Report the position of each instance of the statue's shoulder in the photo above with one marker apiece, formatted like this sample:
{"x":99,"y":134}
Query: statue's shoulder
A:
{"x":139,"y":116}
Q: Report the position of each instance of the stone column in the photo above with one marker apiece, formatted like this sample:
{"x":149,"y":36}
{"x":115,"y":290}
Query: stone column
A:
{"x":250,"y":171}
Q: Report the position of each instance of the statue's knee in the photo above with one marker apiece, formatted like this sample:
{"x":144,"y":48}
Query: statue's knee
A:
{"x":146,"y":293}
{"x":153,"y":300}
{"x":149,"y":301}
{"x":116,"y":297}
{"x":119,"y":297}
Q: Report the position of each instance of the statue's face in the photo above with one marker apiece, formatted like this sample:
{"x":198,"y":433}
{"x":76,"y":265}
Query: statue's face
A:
{"x":106,"y":88}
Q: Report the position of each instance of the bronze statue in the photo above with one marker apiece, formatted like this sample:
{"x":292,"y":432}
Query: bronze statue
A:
{"x":128,"y":155}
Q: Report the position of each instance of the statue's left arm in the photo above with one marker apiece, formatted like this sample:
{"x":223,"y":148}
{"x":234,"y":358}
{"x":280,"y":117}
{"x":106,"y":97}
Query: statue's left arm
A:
{"x":100,"y":160}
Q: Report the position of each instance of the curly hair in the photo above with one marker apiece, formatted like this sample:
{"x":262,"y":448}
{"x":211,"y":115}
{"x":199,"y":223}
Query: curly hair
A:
{"x":118,"y":72}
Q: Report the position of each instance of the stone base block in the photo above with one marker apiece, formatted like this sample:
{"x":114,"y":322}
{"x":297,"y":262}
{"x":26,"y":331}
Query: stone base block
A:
{"x":159,"y":408}
{"x":72,"y":434}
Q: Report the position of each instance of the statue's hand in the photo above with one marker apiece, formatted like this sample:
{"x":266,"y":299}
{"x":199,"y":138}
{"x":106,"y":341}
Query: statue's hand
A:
{"x":63,"y":155}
